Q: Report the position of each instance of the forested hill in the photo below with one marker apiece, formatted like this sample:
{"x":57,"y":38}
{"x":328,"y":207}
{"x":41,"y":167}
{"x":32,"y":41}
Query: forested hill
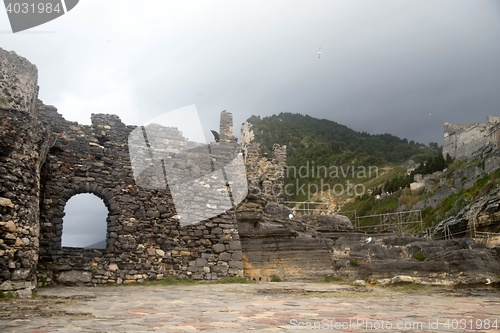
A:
{"x":328,"y":143}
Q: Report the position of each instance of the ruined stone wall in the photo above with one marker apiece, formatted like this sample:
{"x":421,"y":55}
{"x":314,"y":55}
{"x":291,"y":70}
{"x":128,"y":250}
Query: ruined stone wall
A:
{"x":145,"y":235}
{"x":23,"y":145}
{"x":266,"y":174}
{"x":45,"y":160}
{"x":472,"y":140}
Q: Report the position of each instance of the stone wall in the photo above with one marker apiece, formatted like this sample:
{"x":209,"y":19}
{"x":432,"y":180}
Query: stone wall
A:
{"x":46,"y":160}
{"x":23,"y":146}
{"x":464,"y":141}
{"x":146,"y":238}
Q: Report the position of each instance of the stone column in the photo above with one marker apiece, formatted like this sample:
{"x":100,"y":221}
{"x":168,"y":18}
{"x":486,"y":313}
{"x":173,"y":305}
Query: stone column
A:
{"x":226,"y":127}
{"x":23,"y":147}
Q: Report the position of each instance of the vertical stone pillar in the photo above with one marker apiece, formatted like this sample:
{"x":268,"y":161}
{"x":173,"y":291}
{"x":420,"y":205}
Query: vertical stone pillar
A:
{"x":23,"y":147}
{"x":226,"y":127}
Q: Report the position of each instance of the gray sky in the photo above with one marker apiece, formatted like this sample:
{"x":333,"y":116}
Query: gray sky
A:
{"x":398,"y":66}
{"x":83,"y":226}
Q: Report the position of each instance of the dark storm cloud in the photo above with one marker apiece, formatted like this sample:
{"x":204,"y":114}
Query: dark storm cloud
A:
{"x":403,"y":67}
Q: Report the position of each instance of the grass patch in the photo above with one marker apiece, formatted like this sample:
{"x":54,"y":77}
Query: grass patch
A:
{"x":3,"y":101}
{"x":418,"y":256}
{"x":386,"y":205}
{"x":168,"y":281}
{"x":171,"y":281}
{"x":454,"y":203}
{"x":354,"y":262}
{"x":332,"y":279}
{"x":6,"y":295}
{"x":409,"y":199}
{"x":276,"y":278}
{"x":233,"y":279}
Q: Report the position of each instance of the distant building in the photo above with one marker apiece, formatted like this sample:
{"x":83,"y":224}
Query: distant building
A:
{"x":464,"y":141}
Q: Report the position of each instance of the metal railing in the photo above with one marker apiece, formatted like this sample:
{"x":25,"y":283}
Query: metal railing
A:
{"x":300,"y":208}
{"x":487,"y":238}
{"x":405,"y":222}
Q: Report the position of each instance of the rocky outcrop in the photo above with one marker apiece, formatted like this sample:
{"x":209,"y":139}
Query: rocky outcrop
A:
{"x":273,"y":244}
{"x":386,"y":259}
{"x":483,"y":215}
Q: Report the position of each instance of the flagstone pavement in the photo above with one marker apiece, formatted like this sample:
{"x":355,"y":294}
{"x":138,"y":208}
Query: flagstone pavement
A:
{"x":256,"y":307}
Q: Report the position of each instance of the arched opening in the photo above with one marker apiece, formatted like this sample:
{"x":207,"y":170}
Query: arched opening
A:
{"x":84,"y":222}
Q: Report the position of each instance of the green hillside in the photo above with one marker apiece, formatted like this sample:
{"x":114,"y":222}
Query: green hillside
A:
{"x":324,"y":155}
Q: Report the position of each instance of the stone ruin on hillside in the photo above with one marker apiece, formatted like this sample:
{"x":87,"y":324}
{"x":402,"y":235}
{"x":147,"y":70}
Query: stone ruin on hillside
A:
{"x":45,"y":160}
{"x":472,"y":140}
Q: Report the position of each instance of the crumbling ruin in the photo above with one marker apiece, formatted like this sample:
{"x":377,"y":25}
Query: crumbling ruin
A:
{"x":45,"y":160}
{"x":472,"y":140}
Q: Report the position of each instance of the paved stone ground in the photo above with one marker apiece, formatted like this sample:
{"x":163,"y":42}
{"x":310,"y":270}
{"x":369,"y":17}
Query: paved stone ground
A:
{"x":261,"y":307}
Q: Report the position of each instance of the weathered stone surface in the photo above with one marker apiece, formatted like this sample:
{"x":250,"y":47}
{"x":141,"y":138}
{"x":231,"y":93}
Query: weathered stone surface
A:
{"x":45,"y":160}
{"x":402,"y":279}
{"x":482,"y":215}
{"x":74,"y":277}
{"x":324,"y":224}
{"x":359,"y":283}
{"x":468,"y":141}
{"x":18,"y":82}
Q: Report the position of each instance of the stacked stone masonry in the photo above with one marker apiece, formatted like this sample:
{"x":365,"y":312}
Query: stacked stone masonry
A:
{"x":46,"y":160}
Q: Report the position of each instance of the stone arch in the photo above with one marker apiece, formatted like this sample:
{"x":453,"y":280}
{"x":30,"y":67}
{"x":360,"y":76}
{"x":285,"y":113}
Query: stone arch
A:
{"x":88,"y":188}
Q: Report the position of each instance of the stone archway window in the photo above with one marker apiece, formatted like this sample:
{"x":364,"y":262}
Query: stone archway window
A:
{"x":84,"y":222}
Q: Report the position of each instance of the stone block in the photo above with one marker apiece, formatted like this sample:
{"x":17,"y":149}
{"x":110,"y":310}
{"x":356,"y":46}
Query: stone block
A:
{"x":402,"y":279}
{"x":225,"y":256}
{"x":200,"y":262}
{"x":236,"y":264}
{"x":74,"y":277}
{"x":359,"y":283}
{"x":218,"y":248}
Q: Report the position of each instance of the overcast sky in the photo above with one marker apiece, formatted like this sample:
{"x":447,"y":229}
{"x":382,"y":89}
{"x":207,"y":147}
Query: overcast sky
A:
{"x":84,"y":222}
{"x":398,"y":66}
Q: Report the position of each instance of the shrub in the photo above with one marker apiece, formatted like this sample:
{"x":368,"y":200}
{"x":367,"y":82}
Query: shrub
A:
{"x":276,"y":278}
{"x":418,"y":256}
